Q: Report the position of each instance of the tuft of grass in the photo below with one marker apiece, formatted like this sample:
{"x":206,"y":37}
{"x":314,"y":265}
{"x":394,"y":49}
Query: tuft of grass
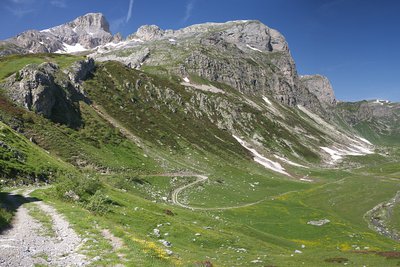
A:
{"x":43,"y":218}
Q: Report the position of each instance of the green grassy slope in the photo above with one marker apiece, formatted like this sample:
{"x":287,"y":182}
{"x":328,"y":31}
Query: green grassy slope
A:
{"x":245,"y":214}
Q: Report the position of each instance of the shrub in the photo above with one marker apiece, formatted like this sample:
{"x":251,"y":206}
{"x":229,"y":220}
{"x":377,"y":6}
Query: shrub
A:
{"x":98,"y":203}
{"x":18,"y":76}
{"x":27,"y":117}
{"x":82,"y":187}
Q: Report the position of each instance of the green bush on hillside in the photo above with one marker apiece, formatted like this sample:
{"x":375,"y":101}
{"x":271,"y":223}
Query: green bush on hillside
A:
{"x":87,"y":191}
{"x":98,"y":203}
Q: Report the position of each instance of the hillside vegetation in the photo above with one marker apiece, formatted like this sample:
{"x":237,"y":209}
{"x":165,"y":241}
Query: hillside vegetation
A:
{"x":168,"y":163}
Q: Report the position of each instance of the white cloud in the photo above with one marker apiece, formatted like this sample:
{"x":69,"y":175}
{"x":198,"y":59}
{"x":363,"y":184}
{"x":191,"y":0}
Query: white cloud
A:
{"x":20,"y":12}
{"x":129,"y":15}
{"x":20,"y":8}
{"x":22,"y":1}
{"x":189,"y":9}
{"x":58,"y":3}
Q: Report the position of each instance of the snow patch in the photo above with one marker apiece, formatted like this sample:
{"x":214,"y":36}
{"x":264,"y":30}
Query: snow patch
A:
{"x":267,"y":100}
{"x":172,"y":40}
{"x":71,"y":48}
{"x":137,"y":40}
{"x":290,"y":162}
{"x":45,"y":30}
{"x":381,"y":101}
{"x":267,"y":163}
{"x":335,"y":155}
{"x":186,"y":79}
{"x":351,"y":150}
{"x":272,"y":108}
{"x":253,"y":48}
{"x":363,"y":140}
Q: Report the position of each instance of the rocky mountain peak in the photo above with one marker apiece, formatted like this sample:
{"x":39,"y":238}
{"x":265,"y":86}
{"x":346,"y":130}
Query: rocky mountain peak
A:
{"x":320,"y":86}
{"x":83,"y":33}
{"x":149,"y":32}
{"x":91,"y":21}
{"x":243,"y":33}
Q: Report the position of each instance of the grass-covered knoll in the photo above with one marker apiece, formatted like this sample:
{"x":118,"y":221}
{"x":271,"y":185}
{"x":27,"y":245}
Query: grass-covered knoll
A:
{"x":21,"y":159}
{"x":13,"y":63}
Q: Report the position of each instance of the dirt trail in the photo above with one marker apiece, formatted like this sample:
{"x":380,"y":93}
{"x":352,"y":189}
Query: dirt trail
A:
{"x":23,"y":245}
{"x":125,"y":132}
{"x":175,"y":194}
{"x":200,"y":179}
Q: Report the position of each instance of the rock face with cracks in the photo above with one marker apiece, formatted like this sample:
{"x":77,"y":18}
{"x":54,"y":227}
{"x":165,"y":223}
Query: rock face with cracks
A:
{"x":46,"y":90}
{"x":321,"y":88}
{"x":86,"y":32}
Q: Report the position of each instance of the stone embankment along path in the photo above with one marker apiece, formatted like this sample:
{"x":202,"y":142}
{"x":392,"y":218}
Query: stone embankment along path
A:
{"x":24,"y":245}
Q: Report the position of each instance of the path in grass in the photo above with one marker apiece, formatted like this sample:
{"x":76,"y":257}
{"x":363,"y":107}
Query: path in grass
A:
{"x":175,"y":194}
{"x":28,"y":243}
{"x":200,"y":179}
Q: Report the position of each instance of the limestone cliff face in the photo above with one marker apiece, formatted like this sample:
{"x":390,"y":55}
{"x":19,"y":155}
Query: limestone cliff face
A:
{"x":45,"y":90}
{"x":321,"y":88}
{"x":87,"y":31}
{"x":247,"y":55}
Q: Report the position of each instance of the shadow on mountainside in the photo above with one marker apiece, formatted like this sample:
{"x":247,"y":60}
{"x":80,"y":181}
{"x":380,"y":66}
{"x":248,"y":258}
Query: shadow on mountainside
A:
{"x":10,"y":203}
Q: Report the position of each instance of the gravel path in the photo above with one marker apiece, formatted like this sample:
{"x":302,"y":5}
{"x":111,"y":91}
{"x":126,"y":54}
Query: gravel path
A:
{"x":176,"y":192}
{"x":22,"y":245}
{"x":202,"y":178}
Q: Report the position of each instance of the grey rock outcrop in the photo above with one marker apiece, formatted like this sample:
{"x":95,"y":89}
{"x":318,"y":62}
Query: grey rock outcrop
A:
{"x":33,"y":87}
{"x":79,"y":71}
{"x":39,"y":88}
{"x":87,"y":31}
{"x":321,"y":87}
{"x":90,"y":31}
{"x":356,"y":112}
{"x":241,"y":33}
{"x":134,"y":60}
{"x":247,"y":55}
{"x":148,"y":33}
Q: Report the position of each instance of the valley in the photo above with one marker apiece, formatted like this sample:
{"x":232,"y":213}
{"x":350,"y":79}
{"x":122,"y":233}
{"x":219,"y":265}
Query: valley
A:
{"x":195,"y":147}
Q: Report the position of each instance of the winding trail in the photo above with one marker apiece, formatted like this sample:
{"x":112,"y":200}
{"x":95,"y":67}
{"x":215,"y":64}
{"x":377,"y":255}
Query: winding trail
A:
{"x":25,"y":245}
{"x":175,"y":194}
{"x":200,"y":179}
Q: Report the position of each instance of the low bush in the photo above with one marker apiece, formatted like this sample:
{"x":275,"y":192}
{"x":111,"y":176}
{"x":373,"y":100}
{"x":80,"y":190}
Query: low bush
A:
{"x":98,"y":203}
{"x":85,"y":190}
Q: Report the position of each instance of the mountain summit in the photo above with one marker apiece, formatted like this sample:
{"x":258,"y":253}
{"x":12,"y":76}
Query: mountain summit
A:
{"x":245,"y":54}
{"x":85,"y":32}
{"x":91,"y":21}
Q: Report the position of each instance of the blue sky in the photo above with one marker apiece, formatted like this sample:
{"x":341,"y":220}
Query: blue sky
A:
{"x":355,"y":43}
